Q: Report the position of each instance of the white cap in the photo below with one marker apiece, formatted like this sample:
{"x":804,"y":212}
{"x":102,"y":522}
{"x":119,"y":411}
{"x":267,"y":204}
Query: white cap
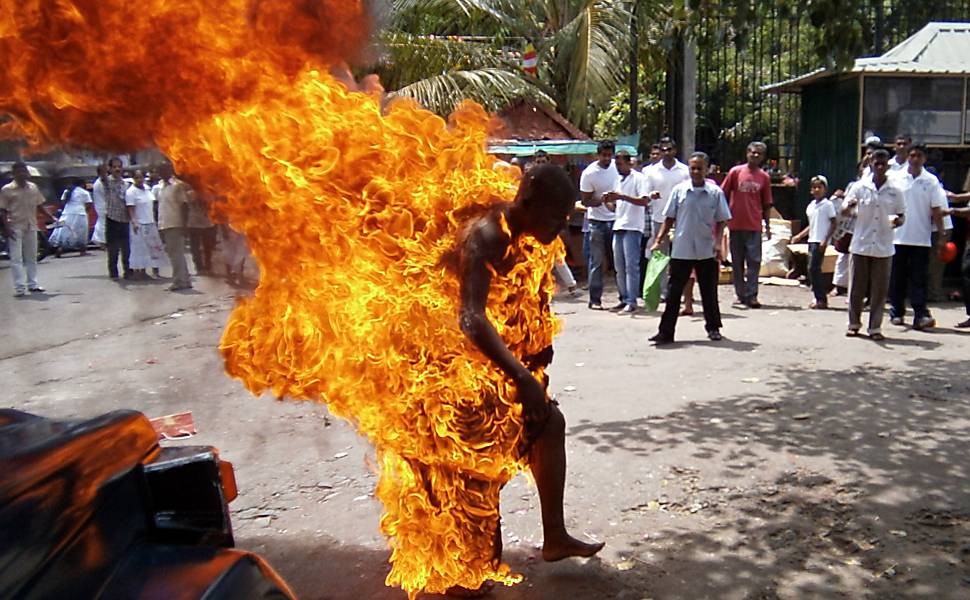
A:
{"x":873,"y":140}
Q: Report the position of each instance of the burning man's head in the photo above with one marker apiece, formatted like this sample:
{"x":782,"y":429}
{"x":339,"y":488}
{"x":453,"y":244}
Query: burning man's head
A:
{"x":545,"y":199}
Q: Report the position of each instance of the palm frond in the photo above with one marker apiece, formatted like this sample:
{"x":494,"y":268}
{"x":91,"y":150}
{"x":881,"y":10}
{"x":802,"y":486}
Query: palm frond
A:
{"x":586,"y":57}
{"x":493,"y":88}
{"x":406,"y":58}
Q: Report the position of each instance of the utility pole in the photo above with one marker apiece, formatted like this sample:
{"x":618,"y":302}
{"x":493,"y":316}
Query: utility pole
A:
{"x":634,"y":73}
{"x":681,"y":110}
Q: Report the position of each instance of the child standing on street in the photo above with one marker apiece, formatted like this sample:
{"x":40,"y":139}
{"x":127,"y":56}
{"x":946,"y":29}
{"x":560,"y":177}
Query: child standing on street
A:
{"x":821,"y":227}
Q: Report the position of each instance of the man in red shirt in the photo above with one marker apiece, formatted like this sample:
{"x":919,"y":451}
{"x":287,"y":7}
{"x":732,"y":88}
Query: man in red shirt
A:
{"x":748,"y":190}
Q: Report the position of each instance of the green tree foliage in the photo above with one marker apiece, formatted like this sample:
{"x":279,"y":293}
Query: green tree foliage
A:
{"x":582,"y":48}
{"x":441,"y":51}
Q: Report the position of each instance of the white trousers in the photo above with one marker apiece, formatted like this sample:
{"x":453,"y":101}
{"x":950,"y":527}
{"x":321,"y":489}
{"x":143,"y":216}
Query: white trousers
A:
{"x":565,"y":275}
{"x":842,"y":265}
{"x":22,"y":246}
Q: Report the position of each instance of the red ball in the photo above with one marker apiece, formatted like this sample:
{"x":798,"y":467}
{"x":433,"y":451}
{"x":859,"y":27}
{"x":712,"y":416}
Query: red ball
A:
{"x":949,"y":252}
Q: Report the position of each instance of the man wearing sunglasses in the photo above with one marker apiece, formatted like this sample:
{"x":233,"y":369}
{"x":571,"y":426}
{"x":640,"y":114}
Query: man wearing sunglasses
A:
{"x":661,"y":178}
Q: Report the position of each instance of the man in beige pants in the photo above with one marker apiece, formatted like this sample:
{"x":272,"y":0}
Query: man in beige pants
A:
{"x":173,"y":208}
{"x":879,"y":208}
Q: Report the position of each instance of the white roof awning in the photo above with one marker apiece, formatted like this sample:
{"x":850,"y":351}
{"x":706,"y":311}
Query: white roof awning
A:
{"x":937,"y":49}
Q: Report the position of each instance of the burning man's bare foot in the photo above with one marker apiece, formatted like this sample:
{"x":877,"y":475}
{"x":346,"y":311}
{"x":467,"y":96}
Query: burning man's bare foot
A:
{"x":463,"y":592}
{"x":553,"y":550}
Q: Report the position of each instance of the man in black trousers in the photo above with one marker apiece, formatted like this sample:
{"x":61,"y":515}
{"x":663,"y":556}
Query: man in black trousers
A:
{"x":700,"y":211}
{"x":116,"y":229}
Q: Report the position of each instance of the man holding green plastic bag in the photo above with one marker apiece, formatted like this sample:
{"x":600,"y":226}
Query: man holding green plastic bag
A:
{"x":700,"y":211}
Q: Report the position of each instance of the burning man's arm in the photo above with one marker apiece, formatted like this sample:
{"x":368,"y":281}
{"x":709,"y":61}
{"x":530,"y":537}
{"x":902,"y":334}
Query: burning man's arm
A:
{"x":485,"y":245}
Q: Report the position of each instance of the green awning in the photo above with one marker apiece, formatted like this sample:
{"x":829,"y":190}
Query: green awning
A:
{"x":552,"y":147}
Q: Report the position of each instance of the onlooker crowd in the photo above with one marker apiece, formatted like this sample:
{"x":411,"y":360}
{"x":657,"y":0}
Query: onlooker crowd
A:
{"x":889,"y":228}
{"x":143,"y":226}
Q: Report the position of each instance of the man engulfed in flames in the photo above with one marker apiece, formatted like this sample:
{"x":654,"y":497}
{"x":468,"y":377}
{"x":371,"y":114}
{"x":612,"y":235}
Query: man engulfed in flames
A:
{"x":364,"y":271}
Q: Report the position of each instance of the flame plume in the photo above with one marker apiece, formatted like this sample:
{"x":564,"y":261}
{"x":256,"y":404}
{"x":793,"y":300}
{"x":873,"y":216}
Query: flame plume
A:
{"x":349,"y":212}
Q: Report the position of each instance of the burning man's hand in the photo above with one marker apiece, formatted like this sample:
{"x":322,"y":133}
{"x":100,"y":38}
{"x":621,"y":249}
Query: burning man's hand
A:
{"x":532,"y":396}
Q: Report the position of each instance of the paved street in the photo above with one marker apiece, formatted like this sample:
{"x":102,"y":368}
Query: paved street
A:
{"x":784,"y":462}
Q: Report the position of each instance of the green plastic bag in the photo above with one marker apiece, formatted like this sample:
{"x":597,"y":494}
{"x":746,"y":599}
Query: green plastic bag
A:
{"x":651,"y":281}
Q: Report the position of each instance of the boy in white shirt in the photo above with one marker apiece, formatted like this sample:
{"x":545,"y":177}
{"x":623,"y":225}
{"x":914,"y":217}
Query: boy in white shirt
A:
{"x":821,"y":227}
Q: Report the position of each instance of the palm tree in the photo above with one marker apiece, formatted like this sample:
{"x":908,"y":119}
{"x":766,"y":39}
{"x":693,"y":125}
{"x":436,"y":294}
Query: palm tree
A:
{"x":582,"y":47}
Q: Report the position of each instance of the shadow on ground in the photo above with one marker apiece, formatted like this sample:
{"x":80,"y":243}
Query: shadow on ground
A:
{"x":892,"y":518}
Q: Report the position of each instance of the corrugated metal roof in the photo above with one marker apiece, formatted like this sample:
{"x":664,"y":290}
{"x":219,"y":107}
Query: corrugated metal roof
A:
{"x":936,"y":49}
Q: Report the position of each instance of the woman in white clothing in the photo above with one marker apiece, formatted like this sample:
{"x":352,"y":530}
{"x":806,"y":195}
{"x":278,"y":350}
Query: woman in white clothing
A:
{"x":100,"y":206}
{"x":147,"y":251}
{"x":71,"y":232}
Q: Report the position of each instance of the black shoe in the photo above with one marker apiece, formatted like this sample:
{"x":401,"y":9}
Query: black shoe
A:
{"x":714,"y":336}
{"x":661,"y":340}
{"x":113,"y":275}
{"x":129,"y":275}
{"x":595,"y":306}
{"x":617,"y":307}
{"x":753,"y":303}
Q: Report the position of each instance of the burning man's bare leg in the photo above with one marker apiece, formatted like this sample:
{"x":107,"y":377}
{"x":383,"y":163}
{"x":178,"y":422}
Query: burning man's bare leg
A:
{"x":547,"y":460}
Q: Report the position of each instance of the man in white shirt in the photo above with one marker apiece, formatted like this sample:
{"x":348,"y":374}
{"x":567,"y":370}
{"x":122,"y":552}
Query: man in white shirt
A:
{"x":900,"y":162}
{"x":19,"y":202}
{"x":174,"y":197}
{"x":631,"y":200}
{"x":879,"y":208}
{"x":700,"y":211}
{"x":599,"y":179}
{"x":661,"y":178}
{"x":925,"y":201}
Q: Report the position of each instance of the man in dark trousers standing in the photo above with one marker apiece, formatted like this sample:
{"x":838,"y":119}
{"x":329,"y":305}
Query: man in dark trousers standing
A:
{"x":748,"y":190}
{"x":116,"y":228}
{"x":700,"y":211}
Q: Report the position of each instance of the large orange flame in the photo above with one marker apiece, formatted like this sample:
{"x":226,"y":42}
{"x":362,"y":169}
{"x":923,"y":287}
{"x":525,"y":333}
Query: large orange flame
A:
{"x":349,"y":212}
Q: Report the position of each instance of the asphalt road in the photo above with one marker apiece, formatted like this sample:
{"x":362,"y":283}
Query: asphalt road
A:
{"x":784,"y":462}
